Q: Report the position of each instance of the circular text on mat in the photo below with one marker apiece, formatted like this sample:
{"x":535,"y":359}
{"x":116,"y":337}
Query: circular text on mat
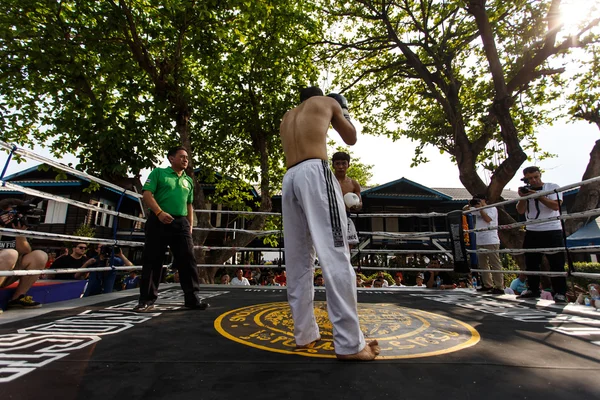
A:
{"x":402,"y":332}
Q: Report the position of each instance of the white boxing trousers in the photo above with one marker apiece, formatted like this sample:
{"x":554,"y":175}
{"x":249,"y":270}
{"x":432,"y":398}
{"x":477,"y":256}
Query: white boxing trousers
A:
{"x":314,"y":217}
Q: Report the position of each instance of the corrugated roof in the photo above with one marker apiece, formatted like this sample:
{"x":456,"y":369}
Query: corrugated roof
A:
{"x":463,"y":194}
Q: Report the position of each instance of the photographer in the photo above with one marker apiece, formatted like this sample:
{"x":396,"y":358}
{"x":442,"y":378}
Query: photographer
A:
{"x":16,"y":254}
{"x":547,"y":234}
{"x":104,"y":281}
{"x":487,"y":240}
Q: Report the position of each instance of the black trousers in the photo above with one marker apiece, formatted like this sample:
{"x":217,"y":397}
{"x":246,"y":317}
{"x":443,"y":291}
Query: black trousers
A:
{"x":541,"y":239}
{"x":177,"y":236}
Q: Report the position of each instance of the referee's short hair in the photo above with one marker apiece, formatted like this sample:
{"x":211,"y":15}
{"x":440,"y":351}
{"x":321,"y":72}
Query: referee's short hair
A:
{"x":173,"y":150}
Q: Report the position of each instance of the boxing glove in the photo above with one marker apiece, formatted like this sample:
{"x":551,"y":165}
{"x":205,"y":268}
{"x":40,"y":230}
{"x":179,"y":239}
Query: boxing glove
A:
{"x":343,"y":103}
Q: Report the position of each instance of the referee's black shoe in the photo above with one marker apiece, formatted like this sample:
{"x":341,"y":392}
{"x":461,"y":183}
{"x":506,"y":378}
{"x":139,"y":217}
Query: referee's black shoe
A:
{"x":193,"y":303}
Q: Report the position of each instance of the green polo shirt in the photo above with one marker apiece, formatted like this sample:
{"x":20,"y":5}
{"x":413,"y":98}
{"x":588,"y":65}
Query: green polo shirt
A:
{"x":172,"y":193}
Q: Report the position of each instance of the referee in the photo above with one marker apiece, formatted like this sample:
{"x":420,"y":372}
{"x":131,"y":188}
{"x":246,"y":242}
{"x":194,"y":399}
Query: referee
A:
{"x":169,"y":194}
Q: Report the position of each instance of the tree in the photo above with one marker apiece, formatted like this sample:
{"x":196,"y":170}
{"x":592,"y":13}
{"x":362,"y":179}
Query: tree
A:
{"x":585,"y":102}
{"x":473,"y":78}
{"x":104,"y":78}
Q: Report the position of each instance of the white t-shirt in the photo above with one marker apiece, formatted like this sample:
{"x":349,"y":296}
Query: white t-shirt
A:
{"x":531,"y":212}
{"x":487,"y":237}
{"x":243,"y":282}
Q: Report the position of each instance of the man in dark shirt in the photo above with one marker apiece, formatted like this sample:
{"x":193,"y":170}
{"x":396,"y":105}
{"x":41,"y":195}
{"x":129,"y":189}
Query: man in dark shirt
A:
{"x":74,"y":260}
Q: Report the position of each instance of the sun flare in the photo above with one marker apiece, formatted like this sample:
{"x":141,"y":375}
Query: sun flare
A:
{"x":574,"y":13}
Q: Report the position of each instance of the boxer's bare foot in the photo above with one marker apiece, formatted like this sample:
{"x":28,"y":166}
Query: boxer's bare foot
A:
{"x":309,"y":345}
{"x":368,"y":353}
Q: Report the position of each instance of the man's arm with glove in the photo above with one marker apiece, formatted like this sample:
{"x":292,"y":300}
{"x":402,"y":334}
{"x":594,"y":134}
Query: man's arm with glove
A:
{"x":341,"y":119}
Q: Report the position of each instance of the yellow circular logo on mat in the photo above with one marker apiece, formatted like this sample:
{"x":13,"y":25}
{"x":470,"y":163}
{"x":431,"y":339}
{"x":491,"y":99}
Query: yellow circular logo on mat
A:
{"x":402,"y":332}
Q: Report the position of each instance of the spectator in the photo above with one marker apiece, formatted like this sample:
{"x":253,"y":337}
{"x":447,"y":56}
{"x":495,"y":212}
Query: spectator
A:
{"x":488,"y":240}
{"x":378,"y":283}
{"x":542,"y":235}
{"x":359,"y":281}
{"x":281,"y":278}
{"x":431,"y":276}
{"x":271,"y":281}
{"x":519,"y":284}
{"x":16,"y":254}
{"x":420,"y":278}
{"x":398,"y":281}
{"x":381,"y":275}
{"x":103,"y":281}
{"x":240,"y":279}
{"x":225,"y":280}
{"x":319,"y":281}
{"x":75,"y":260}
{"x":132,"y":281}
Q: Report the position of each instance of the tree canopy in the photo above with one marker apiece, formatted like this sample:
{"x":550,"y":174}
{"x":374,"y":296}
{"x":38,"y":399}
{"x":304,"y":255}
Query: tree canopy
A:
{"x":473,"y":78}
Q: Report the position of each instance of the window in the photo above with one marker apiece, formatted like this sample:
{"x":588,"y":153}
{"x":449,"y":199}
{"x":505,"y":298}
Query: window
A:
{"x":56,"y":212}
{"x":103,"y":219}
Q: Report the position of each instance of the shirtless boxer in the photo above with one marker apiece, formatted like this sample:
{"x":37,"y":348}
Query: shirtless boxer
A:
{"x":341,"y":162}
{"x":314,"y":218}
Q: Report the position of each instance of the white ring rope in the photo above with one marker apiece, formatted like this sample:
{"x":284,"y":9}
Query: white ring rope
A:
{"x":69,"y":238}
{"x":209,"y":248}
{"x":66,"y":200}
{"x":237,"y":212}
{"x":50,"y":271}
{"x":595,"y":211}
{"x":537,"y":194}
{"x":407,"y":215}
{"x":397,"y":251}
{"x":403,"y":235}
{"x":517,"y":272}
{"x":73,"y":171}
{"x":255,"y":233}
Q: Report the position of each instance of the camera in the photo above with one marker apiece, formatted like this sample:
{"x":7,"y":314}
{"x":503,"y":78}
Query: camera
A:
{"x":107,"y":250}
{"x":474,"y":202}
{"x":527,"y":188}
{"x":26,"y":214}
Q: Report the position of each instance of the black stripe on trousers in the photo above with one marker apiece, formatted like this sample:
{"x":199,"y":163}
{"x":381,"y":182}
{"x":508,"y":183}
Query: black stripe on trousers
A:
{"x":334,"y":212}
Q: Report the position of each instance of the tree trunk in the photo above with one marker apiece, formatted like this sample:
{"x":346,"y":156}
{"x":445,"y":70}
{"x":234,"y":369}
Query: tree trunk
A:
{"x":589,"y":195}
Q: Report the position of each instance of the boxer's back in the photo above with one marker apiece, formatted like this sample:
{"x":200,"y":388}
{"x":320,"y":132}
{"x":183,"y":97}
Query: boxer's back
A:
{"x":304,"y":129}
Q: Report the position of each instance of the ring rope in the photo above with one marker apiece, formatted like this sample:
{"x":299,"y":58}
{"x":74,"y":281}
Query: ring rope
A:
{"x":581,"y":214}
{"x":237,"y":212}
{"x":29,"y":272}
{"x":256,"y":233}
{"x":73,"y":171}
{"x":403,"y":235}
{"x":508,"y":271}
{"x":70,"y":238}
{"x":537,"y":194}
{"x":76,"y":203}
{"x":408,"y":215}
{"x":209,"y":248}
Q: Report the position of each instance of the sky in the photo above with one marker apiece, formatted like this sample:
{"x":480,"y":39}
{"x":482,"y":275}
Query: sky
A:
{"x":571,"y":142}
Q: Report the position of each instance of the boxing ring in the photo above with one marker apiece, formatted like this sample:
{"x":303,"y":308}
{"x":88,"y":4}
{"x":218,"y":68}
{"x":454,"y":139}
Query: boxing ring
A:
{"x":452,"y":343}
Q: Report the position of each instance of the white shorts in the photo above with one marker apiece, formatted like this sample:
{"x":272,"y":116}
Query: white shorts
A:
{"x":352,"y":235}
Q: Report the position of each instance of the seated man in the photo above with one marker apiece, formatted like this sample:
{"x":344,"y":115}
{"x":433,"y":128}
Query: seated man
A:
{"x":72,"y":261}
{"x":431,"y":276}
{"x":225,"y":280}
{"x":239,"y":279}
{"x":378,"y":283}
{"x":132,"y":281}
{"x":103,"y":281}
{"x":16,"y":254}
